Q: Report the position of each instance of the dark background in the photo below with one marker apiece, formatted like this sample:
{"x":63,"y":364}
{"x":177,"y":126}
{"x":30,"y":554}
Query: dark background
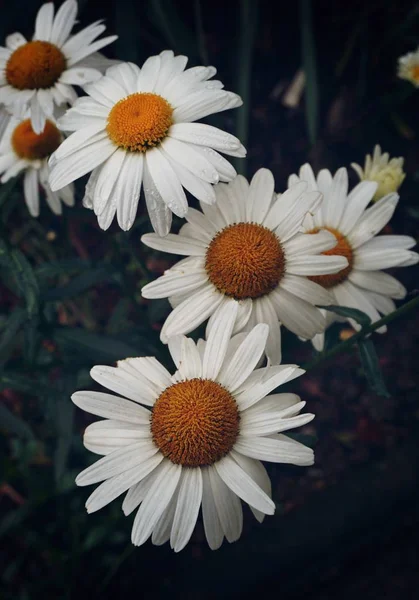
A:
{"x":349,"y":524}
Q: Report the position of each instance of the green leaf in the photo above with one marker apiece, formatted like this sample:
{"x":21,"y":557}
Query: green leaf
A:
{"x":371,"y":366}
{"x":80,"y":284}
{"x":308,"y":47}
{"x":20,"y":383}
{"x":13,"y":325}
{"x":13,"y":424}
{"x":62,"y":267}
{"x":22,"y":272}
{"x":349,"y":313}
{"x":95,"y":346}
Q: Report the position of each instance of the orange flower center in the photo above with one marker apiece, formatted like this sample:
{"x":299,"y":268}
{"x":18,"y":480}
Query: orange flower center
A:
{"x":139,"y":122}
{"x":342,"y":248}
{"x":195,"y":423}
{"x":35,"y":65}
{"x":415,"y":72}
{"x":35,"y":146}
{"x":245,"y":260}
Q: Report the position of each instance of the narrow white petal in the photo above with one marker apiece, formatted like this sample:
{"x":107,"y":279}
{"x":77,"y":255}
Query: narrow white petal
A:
{"x":356,"y":203}
{"x":175,"y":244}
{"x":297,"y":315}
{"x":306,"y":290}
{"x":373,"y":220}
{"x":119,"y":381}
{"x":315,"y":265}
{"x":191,"y":312}
{"x":138,"y":491}
{"x":188,"y":157}
{"x":43,"y":23}
{"x":243,"y":485}
{"x":111,"y":407}
{"x":228,"y":506}
{"x":187,"y":508}
{"x":309,"y":243}
{"x":31,"y":191}
{"x":126,"y":192}
{"x":157,"y":498}
{"x":212,"y":526}
{"x":160,"y":215}
{"x":149,"y":74}
{"x":265,"y":380}
{"x":38,"y":116}
{"x":117,"y":462}
{"x":63,"y":22}
{"x":174,"y":282}
{"x":245,"y":359}
{"x":150,"y":372}
{"x":335,"y":200}
{"x":376,"y":281}
{"x":260,"y":195}
{"x":275,"y":450}
{"x":85,"y":51}
{"x":265,"y":313}
{"x":206,"y":135}
{"x":218,"y":340}
{"x":190,"y":366}
{"x":166,"y":182}
{"x":80,"y":76}
{"x":258,"y":473}
{"x":15,"y":40}
{"x":117,"y":485}
{"x":366,"y":259}
{"x":271,"y":423}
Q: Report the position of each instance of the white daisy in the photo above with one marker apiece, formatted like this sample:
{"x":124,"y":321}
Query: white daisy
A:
{"x":198,"y":440}
{"x":136,"y":129}
{"x":247,"y":250}
{"x":40,"y":74}
{"x":388,"y":173}
{"x":408,"y":67}
{"x":361,"y":284}
{"x":23,"y":150}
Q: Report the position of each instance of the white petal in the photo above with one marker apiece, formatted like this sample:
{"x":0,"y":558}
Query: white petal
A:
{"x":306,"y":290}
{"x":149,"y":74}
{"x":265,"y":380}
{"x":275,"y":450}
{"x":309,"y":243}
{"x":335,"y":200}
{"x":160,"y":215}
{"x":243,"y":485}
{"x":105,"y":91}
{"x":297,"y":315}
{"x":175,"y":244}
{"x":258,"y":473}
{"x":260,"y":195}
{"x":138,"y":491}
{"x":103,"y":437}
{"x":190,"y":159}
{"x":202,"y":190}
{"x":191,"y":313}
{"x":117,"y":485}
{"x":31,"y":191}
{"x":15,"y":40}
{"x":174,"y":282}
{"x":265,"y":313}
{"x":373,"y":220}
{"x":212,"y":526}
{"x":228,"y":506}
{"x":166,"y":182}
{"x":80,"y":162}
{"x":80,"y":76}
{"x":315,"y":265}
{"x":157,"y":498}
{"x":43,"y":23}
{"x":378,"y":282}
{"x":187,"y":508}
{"x":218,"y":340}
{"x":225,"y":170}
{"x":123,"y":383}
{"x":356,"y":203}
{"x":270,"y":422}
{"x":245,"y":359}
{"x":38,"y":117}
{"x":126,"y":192}
{"x":85,"y":51}
{"x":375,"y":259}
{"x":63,"y":22}
{"x":149,"y":371}
{"x":190,"y":366}
{"x":126,"y":75}
{"x":117,"y":462}
{"x":206,"y":135}
{"x":111,"y":407}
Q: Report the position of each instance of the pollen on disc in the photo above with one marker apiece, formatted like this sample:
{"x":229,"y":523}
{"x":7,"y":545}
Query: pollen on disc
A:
{"x":35,"y":65}
{"x":195,"y":422}
{"x":35,"y":146}
{"x":139,"y":122}
{"x":342,"y":248}
{"x":245,"y":260}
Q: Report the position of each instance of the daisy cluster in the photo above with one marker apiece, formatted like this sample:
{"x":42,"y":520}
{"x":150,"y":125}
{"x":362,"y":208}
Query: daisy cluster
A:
{"x":254,"y":261}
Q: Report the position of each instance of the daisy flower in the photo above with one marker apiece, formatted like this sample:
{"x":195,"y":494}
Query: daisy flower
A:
{"x":388,"y":174}
{"x":40,"y":74}
{"x":136,"y":130}
{"x":247,"y":250}
{"x":198,"y":440}
{"x":362,"y":284}
{"x":408,"y":67}
{"x":23,"y":150}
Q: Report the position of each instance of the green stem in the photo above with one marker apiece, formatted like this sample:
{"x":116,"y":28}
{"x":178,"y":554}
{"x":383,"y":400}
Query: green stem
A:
{"x":343,"y":346}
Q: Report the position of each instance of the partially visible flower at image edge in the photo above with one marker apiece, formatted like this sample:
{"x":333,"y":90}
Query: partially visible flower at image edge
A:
{"x":40,"y":74}
{"x":194,"y":439}
{"x":362,"y":284}
{"x":408,"y":67}
{"x":135,"y":131}
{"x":388,"y":173}
{"x":23,"y":150}
{"x":247,"y":249}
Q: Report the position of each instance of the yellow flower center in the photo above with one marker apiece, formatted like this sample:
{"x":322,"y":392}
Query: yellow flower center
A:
{"x":35,"y":65}
{"x":245,"y":260}
{"x":342,"y":248}
{"x":415,"y":72}
{"x":35,"y":146}
{"x":195,"y":423}
{"x":139,"y":122}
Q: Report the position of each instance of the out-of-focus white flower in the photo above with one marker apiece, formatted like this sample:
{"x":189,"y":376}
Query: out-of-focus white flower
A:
{"x":409,"y":67}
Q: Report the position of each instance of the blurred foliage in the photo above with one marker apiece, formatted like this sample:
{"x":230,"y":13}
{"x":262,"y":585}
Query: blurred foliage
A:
{"x":70,"y":293}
